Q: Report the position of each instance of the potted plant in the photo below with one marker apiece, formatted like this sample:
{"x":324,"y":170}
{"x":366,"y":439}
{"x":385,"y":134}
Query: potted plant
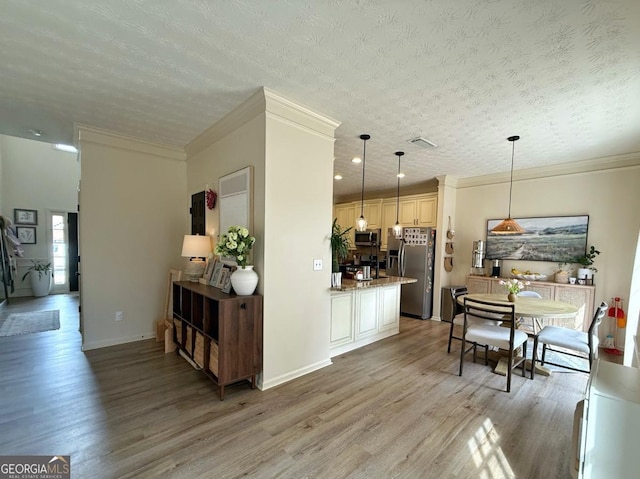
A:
{"x":40,"y":282}
{"x":236,"y":243}
{"x":339,"y":249}
{"x":586,"y":260}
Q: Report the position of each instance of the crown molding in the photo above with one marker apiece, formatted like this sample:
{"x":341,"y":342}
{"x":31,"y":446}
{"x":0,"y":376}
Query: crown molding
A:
{"x":628,"y":160}
{"x":447,"y":180}
{"x":89,"y":134}
{"x":263,"y":102}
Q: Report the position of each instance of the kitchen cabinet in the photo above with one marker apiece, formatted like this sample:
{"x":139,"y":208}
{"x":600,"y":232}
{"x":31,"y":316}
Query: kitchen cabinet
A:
{"x":419,"y":210}
{"x":388,"y":220}
{"x":581,"y":296}
{"x":372,"y":213}
{"x":346,"y":216}
{"x":363,"y":316}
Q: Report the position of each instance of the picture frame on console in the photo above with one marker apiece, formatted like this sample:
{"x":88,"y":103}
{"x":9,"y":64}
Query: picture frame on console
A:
{"x":551,"y":238}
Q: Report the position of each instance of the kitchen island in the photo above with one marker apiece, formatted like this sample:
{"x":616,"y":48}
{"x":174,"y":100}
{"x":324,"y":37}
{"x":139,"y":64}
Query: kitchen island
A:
{"x":363,"y":312}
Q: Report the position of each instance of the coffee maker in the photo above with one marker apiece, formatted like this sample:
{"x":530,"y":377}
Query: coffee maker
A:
{"x":495,"y":268}
{"x":477,"y":258}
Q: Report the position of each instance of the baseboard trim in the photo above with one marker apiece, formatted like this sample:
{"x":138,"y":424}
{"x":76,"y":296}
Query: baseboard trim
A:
{"x":89,"y":345}
{"x":295,"y":374}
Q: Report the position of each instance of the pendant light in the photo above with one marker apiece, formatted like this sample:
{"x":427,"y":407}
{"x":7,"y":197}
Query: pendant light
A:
{"x":509,"y":226}
{"x":397,"y":228}
{"x":361,"y":223}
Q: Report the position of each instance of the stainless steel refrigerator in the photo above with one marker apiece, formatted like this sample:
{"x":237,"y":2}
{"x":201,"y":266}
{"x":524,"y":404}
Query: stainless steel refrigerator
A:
{"x":412,"y":256}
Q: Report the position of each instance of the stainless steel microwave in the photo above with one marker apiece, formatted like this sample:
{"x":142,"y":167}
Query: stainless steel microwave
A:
{"x":368,"y":238}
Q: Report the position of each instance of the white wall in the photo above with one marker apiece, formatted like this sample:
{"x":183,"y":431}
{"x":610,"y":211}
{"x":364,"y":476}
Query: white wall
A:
{"x":610,"y":197}
{"x":280,"y":140}
{"x":133,"y":215}
{"x":35,"y":176}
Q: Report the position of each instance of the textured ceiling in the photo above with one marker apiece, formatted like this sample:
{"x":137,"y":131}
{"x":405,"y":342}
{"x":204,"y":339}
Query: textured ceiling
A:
{"x":563,"y":74}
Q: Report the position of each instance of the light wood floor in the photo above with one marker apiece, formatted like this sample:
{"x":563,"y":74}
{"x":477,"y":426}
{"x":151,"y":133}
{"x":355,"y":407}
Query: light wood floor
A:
{"x":394,"y":409}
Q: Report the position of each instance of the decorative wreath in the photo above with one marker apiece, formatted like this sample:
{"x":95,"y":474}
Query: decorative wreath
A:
{"x":211,"y":199}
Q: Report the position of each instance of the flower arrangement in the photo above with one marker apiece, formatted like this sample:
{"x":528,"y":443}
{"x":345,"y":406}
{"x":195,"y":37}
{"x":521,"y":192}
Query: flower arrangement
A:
{"x":514,"y":285}
{"x":236,"y":243}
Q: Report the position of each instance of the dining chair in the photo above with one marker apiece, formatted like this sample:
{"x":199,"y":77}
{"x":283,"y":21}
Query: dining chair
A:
{"x":575,"y":341}
{"x":504,"y":336}
{"x":531,"y":325}
{"x":458,"y":318}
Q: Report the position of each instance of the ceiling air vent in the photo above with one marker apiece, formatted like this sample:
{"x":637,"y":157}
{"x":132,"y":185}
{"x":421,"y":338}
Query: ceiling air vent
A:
{"x":423,"y":142}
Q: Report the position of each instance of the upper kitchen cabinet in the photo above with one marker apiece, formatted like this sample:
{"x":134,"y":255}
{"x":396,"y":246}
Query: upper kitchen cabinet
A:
{"x":389,"y":209}
{"x":346,"y":216}
{"x":372,"y":213}
{"x":418,"y":210}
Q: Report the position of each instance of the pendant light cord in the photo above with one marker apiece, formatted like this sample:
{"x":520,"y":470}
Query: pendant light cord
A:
{"x":398,"y":191}
{"x":364,"y":159}
{"x":513,"y":150}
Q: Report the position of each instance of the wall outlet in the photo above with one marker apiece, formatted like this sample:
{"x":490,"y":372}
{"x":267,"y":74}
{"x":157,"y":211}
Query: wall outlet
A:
{"x":119,"y":315}
{"x":317,"y":264}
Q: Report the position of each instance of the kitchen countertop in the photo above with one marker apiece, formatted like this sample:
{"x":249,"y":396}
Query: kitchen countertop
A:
{"x":352,"y":284}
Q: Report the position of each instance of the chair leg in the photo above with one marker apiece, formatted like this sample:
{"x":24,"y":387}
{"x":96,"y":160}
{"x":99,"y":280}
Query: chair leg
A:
{"x":486,"y":355}
{"x":534,"y":356}
{"x":524,"y":358}
{"x":509,"y":366}
{"x":462,"y":348}
{"x":450,"y":337}
{"x":544,"y":352}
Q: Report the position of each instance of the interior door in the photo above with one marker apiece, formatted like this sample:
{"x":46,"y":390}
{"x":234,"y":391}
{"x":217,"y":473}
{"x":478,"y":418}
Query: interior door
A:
{"x":74,"y":258}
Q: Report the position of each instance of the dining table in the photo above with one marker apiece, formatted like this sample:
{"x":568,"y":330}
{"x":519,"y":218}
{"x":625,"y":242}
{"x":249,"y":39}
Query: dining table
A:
{"x":526,"y":307}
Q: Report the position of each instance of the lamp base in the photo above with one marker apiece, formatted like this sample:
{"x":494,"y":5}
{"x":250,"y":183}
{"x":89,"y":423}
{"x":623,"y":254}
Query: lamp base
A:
{"x":194,"y":270}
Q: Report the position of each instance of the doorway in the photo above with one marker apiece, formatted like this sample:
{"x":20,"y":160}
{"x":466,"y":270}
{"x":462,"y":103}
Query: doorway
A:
{"x":63,"y":250}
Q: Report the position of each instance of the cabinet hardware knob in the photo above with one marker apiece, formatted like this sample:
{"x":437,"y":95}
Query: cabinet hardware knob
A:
{"x":243,"y":306}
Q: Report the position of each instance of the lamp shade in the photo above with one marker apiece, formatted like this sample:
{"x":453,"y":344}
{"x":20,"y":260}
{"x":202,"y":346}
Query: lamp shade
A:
{"x":196,"y":246}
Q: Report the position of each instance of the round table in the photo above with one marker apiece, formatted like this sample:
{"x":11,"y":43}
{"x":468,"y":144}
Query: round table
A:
{"x":526,"y":307}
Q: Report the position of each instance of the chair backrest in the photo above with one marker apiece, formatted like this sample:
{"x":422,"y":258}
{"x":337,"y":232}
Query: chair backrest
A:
{"x":457,"y":307}
{"x":530,"y":294}
{"x":476,"y":308}
{"x":595,"y":322}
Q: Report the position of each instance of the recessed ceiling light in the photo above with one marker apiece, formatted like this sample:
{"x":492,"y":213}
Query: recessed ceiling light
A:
{"x":400,"y":175}
{"x":338,"y":177}
{"x":63,"y":147}
{"x":357,"y":159}
{"x":35,"y":132}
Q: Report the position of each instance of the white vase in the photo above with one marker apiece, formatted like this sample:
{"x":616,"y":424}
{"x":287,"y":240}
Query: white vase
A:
{"x":244,"y":280}
{"x":40,"y":283}
{"x":585,"y":273}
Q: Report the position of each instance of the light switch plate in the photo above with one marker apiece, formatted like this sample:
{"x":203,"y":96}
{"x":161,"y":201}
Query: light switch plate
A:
{"x":317,"y":264}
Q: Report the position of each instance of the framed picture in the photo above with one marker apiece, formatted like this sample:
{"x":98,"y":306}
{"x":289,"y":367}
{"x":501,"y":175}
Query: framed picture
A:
{"x":215,"y":275}
{"x":225,"y":280}
{"x":225,"y":271}
{"x":559,"y":239}
{"x":25,"y":217}
{"x":26,"y":234}
{"x":208,"y":270}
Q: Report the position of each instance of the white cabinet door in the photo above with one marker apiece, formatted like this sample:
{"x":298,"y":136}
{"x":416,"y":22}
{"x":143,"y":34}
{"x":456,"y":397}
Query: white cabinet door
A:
{"x":389,"y":308}
{"x":342,"y":311}
{"x":367,"y":312}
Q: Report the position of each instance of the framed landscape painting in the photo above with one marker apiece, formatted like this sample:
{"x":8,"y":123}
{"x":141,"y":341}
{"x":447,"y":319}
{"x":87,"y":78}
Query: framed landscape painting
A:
{"x":559,"y":239}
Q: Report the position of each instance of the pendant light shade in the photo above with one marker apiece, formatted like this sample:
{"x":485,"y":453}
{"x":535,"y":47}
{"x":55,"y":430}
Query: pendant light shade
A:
{"x":361,"y":223}
{"x":397,"y":228}
{"x":509,"y":226}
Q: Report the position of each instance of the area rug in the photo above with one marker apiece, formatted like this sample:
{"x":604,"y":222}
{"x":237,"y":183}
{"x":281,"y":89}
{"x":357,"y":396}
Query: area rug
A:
{"x":34,"y":322}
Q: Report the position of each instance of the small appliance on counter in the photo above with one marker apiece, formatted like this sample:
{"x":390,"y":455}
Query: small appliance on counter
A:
{"x":477,"y":258}
{"x":495,"y":268}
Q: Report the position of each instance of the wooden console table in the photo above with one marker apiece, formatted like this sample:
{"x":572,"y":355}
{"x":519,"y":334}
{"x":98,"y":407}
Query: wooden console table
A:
{"x":221,"y":333}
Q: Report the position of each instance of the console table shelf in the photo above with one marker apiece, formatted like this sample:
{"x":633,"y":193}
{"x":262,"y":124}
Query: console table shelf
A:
{"x":221,"y":333}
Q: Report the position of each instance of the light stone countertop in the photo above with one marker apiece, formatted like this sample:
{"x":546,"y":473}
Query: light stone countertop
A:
{"x":352,"y":284}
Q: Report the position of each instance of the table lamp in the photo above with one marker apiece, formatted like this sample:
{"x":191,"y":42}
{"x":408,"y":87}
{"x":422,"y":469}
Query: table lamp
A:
{"x":197,"y":248}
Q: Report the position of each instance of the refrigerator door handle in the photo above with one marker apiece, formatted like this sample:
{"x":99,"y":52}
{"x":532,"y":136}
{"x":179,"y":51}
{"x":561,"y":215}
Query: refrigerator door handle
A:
{"x":402,"y":259}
